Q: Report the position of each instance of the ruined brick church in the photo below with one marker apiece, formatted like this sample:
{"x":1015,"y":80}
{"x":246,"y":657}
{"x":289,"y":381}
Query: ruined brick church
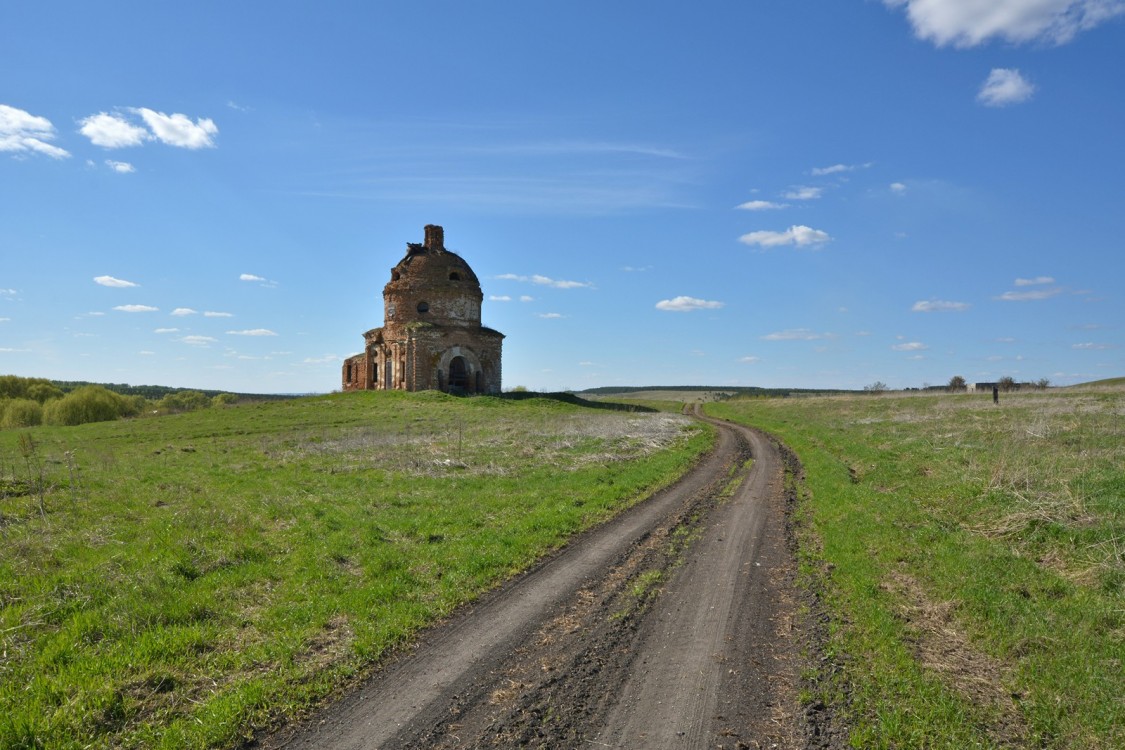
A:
{"x":432,"y":337}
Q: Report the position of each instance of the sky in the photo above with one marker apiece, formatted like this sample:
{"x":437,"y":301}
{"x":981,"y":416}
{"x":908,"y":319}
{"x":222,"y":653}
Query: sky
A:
{"x":779,"y":193}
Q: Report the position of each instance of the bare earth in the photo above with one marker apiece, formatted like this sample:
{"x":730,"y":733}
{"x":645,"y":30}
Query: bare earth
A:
{"x":672,"y":626}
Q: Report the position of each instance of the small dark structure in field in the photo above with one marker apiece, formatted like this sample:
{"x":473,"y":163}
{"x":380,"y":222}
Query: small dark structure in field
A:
{"x":432,"y":337}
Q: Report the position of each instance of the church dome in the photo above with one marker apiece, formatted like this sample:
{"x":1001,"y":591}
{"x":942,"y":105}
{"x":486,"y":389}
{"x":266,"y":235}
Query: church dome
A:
{"x":432,"y":285}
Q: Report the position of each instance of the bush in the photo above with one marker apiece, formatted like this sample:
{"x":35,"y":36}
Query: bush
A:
{"x":224,"y":399}
{"x":183,"y":401}
{"x":90,"y":403}
{"x":21,"y":412}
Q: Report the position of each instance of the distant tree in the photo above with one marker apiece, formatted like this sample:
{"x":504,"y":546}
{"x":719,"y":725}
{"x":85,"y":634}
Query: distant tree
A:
{"x":1042,"y":383}
{"x":90,"y":403}
{"x":21,"y":412}
{"x":43,"y":391}
{"x":224,"y":399}
{"x":518,"y":389}
{"x":956,"y":384}
{"x":877,"y":387}
{"x":183,"y":401}
{"x":1007,"y":383}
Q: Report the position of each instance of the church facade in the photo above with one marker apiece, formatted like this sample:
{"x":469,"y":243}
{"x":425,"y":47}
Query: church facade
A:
{"x":431,"y":337}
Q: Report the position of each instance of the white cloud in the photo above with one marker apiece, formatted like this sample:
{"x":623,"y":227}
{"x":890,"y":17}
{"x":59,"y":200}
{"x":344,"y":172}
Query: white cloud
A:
{"x":166,"y":330}
{"x":1092,"y":345}
{"x":526,"y":298}
{"x":182,"y":311}
{"x":252,"y":332}
{"x":796,"y":334}
{"x":835,"y":169}
{"x":938,"y":305}
{"x":898,"y":187}
{"x":546,"y":281}
{"x":213,"y":314}
{"x":687,"y":304}
{"x":551,"y":316}
{"x":797,"y":235}
{"x":1037,"y":281}
{"x":967,"y":23}
{"x":198,"y":340}
{"x":1031,"y":295}
{"x":136,"y":308}
{"x":178,"y":129}
{"x":803,"y":193}
{"x":321,"y":360}
{"x":1004,"y":86}
{"x":249,"y":277}
{"x":121,"y":167}
{"x":761,"y":206}
{"x":909,"y":346}
{"x":112,"y":131}
{"x":499,"y":298}
{"x":112,"y":282}
{"x":750,"y":359}
{"x":8,"y":292}
{"x":22,"y":132}
{"x":5,"y":320}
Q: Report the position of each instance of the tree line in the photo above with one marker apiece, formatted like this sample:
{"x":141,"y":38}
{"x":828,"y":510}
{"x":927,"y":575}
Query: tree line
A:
{"x":28,"y":402}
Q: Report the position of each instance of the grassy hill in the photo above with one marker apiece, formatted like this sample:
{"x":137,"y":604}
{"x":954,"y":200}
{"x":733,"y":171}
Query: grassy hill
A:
{"x":177,"y":581}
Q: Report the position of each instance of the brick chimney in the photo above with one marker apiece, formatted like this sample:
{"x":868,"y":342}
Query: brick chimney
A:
{"x":435,"y":237}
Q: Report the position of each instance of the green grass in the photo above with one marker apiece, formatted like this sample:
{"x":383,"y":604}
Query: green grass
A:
{"x":971,"y":557}
{"x":193,"y":577}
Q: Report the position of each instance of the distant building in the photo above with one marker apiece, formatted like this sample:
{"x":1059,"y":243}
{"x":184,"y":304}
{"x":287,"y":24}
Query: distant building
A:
{"x":432,"y":337}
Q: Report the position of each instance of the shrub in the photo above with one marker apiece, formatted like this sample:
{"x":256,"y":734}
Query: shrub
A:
{"x":90,"y":403}
{"x":224,"y":399}
{"x":183,"y":401}
{"x":21,"y":412}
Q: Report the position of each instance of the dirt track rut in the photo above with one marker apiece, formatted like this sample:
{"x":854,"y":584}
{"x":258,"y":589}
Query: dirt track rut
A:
{"x":668,"y":627}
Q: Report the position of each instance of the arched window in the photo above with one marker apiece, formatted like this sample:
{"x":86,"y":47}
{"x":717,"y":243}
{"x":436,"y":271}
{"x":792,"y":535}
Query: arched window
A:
{"x":423,"y":307}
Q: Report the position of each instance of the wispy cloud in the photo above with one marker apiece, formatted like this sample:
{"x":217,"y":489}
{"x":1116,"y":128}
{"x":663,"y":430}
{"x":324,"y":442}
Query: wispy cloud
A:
{"x":546,"y":281}
{"x":909,"y":346}
{"x":898,"y":187}
{"x":216,"y":314}
{"x":327,"y":358}
{"x":938,"y":305}
{"x":196,"y":340}
{"x":968,"y":23}
{"x":24,"y":133}
{"x":178,"y":129}
{"x":182,"y":311}
{"x":268,"y":283}
{"x":1037,"y":281}
{"x":110,"y":281}
{"x":687,"y":304}
{"x":750,"y":359}
{"x":796,"y":334}
{"x":803,"y":193}
{"x":838,"y":169}
{"x":499,"y":298}
{"x":166,"y":330}
{"x":1092,"y":345}
{"x":797,"y":235}
{"x":1004,"y":86}
{"x":136,"y":308}
{"x":252,"y":332}
{"x":1031,"y":295}
{"x":121,"y":167}
{"x":761,"y":206}
{"x":551,"y":316}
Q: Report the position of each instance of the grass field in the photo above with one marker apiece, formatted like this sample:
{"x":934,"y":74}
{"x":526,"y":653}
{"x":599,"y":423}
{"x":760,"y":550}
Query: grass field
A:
{"x":175,"y":582}
{"x":972,"y":560}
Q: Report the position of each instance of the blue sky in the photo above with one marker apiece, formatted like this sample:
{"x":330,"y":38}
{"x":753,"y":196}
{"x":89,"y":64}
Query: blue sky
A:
{"x":773,"y":193}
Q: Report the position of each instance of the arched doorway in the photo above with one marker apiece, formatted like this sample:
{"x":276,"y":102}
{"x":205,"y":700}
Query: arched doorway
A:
{"x":458,"y":375}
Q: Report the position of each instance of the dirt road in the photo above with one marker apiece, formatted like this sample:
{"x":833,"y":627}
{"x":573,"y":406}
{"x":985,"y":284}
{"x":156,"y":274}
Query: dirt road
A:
{"x":669,"y":627}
